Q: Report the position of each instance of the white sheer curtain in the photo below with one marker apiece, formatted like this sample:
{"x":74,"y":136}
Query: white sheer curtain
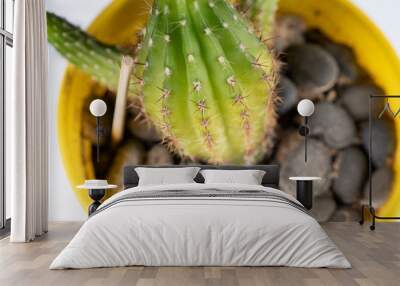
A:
{"x":26,"y":120}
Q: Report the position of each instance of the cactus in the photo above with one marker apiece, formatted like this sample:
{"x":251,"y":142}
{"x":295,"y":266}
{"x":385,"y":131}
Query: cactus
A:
{"x":100,"y":61}
{"x":206,"y":80}
{"x":260,"y":12}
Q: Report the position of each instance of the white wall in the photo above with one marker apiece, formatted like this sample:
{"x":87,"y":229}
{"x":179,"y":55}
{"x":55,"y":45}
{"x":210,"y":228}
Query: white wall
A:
{"x":62,"y":202}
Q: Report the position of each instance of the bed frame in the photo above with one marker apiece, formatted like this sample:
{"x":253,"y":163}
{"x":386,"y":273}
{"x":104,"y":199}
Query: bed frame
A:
{"x":271,"y":177}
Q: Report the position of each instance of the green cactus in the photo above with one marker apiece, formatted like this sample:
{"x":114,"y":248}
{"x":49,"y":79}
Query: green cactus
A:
{"x":206,"y":80}
{"x":100,"y":61}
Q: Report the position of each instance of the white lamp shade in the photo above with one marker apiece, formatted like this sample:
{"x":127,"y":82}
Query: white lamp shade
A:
{"x":98,"y":107}
{"x":305,"y":107}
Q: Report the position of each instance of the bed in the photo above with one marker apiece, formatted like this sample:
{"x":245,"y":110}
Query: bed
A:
{"x":197,"y":224}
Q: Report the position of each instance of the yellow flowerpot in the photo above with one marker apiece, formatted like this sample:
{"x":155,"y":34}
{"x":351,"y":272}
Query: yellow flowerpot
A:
{"x":122,"y":19}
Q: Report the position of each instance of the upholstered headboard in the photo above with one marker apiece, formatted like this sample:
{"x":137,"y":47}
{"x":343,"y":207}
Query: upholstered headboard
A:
{"x":271,"y":177}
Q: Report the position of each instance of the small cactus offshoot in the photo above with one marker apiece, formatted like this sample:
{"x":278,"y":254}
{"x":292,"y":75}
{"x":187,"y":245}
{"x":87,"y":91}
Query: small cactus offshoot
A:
{"x":206,"y":79}
{"x":100,"y":61}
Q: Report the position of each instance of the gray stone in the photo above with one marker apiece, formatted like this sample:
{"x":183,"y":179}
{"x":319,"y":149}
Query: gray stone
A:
{"x":383,"y":140}
{"x":333,"y":124}
{"x":355,"y":99}
{"x":382,"y":180}
{"x":313,"y":70}
{"x":287,"y":93}
{"x":349,"y":69}
{"x":289,"y":139}
{"x":318,"y":165}
{"x":352,"y":170}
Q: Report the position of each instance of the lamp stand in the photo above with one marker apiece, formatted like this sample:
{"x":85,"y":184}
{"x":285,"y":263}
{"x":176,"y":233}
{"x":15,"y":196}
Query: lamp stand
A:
{"x":98,"y":138}
{"x":305,"y":138}
{"x":304,"y":130}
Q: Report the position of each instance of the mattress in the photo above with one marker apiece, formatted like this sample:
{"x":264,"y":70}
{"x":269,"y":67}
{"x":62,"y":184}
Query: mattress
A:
{"x":201,"y":225}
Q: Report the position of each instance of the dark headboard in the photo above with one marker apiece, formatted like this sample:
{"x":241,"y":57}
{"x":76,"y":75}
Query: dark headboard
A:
{"x":271,"y":177}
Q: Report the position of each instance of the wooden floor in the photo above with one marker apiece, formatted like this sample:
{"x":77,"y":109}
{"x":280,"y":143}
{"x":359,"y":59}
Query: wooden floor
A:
{"x":375,"y":257}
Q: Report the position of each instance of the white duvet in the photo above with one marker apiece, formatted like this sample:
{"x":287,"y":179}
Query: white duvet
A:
{"x":200,"y":231}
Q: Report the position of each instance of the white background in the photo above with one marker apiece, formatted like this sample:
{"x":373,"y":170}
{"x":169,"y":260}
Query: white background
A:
{"x":62,"y":203}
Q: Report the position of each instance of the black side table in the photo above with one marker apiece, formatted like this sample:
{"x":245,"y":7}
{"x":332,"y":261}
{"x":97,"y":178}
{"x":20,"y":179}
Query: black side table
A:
{"x":96,"y":193}
{"x":304,"y":191}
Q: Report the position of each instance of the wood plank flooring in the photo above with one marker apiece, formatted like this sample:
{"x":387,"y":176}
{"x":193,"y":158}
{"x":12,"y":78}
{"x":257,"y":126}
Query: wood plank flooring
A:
{"x":375,"y":257}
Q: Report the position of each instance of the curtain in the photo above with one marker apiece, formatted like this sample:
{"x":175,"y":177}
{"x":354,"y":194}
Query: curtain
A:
{"x":26,"y":117}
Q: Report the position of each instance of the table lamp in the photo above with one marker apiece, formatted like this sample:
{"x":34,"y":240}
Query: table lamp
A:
{"x":305,"y":108}
{"x":98,"y":108}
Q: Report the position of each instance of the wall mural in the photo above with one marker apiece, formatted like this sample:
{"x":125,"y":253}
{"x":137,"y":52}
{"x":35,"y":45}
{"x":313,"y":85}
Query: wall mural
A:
{"x":218,"y":82}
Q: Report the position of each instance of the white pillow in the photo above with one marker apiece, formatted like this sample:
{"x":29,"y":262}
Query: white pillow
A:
{"x":247,"y":177}
{"x":164,"y":176}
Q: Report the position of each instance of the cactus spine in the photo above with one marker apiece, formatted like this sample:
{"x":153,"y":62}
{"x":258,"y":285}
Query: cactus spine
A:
{"x":206,"y":80}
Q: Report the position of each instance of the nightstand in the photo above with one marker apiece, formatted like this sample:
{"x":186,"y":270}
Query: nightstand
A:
{"x":96,"y":192}
{"x":304,"y":192}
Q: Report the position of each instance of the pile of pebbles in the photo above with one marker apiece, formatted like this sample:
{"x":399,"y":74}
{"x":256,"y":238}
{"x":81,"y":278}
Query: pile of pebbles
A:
{"x":327,"y":73}
{"x":315,"y":68}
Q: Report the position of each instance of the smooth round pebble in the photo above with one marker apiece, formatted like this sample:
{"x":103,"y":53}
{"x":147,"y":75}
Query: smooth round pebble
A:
{"x":312,"y":68}
{"x":334,"y":125}
{"x":383,"y":140}
{"x":287,"y":93}
{"x":352,"y":171}
{"x":355,"y":99}
{"x":381,"y":185}
{"x":318,"y":165}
